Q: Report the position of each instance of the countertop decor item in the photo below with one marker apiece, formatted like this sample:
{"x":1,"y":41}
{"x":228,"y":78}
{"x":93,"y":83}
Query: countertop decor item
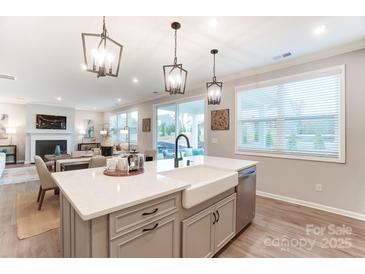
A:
{"x":100,"y":58}
{"x":214,"y":88}
{"x":119,"y":173}
{"x":220,"y":119}
{"x":174,"y":75}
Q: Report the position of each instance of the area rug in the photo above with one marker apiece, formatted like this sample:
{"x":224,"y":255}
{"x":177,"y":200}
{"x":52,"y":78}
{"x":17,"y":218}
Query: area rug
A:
{"x":18,"y":175}
{"x":29,"y":220}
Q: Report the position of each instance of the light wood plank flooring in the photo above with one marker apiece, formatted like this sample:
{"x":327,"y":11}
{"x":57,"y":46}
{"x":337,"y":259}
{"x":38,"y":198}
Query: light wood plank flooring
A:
{"x":274,"y":221}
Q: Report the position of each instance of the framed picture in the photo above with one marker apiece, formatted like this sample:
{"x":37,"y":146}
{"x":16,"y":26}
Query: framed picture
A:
{"x":146,"y":124}
{"x":219,"y":119}
{"x":89,"y":128}
{"x":3,"y":124}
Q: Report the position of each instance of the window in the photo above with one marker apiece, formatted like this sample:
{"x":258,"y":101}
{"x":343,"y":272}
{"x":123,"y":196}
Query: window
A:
{"x":177,"y":118}
{"x":120,"y":121}
{"x":301,"y":116}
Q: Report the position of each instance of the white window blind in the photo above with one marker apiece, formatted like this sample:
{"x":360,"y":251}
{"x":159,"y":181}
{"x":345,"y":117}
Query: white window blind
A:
{"x":299,"y":115}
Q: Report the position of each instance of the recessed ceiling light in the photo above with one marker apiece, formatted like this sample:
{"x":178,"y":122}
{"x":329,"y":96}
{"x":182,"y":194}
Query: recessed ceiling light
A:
{"x":213,"y":22}
{"x":94,"y":108}
{"x":83,"y":67}
{"x":319,"y":29}
{"x":135,"y":80}
{"x":59,"y":98}
{"x":119,"y":100}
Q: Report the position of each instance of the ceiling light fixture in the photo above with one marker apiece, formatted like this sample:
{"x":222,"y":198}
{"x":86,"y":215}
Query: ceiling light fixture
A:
{"x":174,"y":75}
{"x":119,"y":100}
{"x":319,"y":30}
{"x":59,"y":98}
{"x":214,"y":88}
{"x":135,"y":80}
{"x":99,"y":60}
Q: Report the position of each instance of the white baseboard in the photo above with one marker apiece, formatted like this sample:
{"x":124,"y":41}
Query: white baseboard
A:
{"x":335,"y":210}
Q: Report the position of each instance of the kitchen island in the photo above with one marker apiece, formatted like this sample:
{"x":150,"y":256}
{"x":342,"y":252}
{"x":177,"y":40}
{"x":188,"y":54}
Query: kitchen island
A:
{"x":163,"y":212}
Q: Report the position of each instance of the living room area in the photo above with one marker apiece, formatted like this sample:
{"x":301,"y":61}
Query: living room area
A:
{"x":64,"y":138}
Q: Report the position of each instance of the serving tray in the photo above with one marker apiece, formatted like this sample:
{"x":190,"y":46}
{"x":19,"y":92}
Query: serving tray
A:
{"x":120,"y":173}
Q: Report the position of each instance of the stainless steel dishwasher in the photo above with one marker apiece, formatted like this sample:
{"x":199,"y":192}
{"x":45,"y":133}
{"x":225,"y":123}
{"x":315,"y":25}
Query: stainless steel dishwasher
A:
{"x":246,"y":197}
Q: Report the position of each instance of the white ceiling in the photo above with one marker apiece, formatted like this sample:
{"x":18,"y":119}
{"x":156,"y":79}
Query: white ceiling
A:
{"x":45,"y":53}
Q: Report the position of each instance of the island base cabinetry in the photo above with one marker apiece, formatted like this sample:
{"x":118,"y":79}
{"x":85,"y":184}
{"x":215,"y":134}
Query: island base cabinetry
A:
{"x":148,"y":230}
{"x":206,"y":232}
{"x":158,"y":239}
{"x":82,"y":239}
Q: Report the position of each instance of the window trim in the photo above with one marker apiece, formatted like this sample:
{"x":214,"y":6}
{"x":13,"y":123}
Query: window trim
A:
{"x":296,"y":77}
{"x":117,"y":113}
{"x":179,"y":101}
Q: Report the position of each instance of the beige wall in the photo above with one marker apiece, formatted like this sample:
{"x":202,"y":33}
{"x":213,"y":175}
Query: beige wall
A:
{"x":17,"y":119}
{"x":343,"y":184}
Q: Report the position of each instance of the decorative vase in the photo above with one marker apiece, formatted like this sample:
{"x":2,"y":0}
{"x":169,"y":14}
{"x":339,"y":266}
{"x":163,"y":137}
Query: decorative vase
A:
{"x":57,"y":150}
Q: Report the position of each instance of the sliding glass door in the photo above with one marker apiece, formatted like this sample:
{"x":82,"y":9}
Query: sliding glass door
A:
{"x":180,"y":118}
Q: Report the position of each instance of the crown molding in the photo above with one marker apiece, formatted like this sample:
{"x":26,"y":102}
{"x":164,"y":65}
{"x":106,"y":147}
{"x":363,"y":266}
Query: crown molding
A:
{"x":282,"y":64}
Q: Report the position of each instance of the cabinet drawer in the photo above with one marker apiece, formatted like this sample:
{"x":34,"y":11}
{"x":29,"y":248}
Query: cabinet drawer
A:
{"x":157,"y":239}
{"x":128,"y":218}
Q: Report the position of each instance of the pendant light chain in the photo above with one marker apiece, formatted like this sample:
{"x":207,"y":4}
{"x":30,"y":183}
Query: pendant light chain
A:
{"x":175,"y":59}
{"x":104,"y":32}
{"x":214,"y":78}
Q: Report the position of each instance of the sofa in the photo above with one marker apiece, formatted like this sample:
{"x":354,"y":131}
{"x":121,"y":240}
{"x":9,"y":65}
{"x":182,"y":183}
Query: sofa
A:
{"x":2,"y":163}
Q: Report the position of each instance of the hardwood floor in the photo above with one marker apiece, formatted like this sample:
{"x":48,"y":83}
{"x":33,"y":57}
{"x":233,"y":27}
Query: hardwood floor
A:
{"x":277,"y":231}
{"x":44,"y":245}
{"x":280,"y":230}
{"x":18,"y":165}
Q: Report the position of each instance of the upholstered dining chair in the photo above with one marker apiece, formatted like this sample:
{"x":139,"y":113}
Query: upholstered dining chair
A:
{"x":47,"y":182}
{"x":97,"y":161}
{"x":150,"y":155}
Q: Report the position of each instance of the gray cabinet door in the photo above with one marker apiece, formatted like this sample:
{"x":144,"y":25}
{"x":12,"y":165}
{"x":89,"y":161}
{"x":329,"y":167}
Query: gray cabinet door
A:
{"x":198,"y":235}
{"x":225,"y":225}
{"x":158,"y":239}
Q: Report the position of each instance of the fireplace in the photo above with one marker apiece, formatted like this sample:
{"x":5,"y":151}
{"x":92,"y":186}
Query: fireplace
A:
{"x":43,"y":147}
{"x":50,"y":139}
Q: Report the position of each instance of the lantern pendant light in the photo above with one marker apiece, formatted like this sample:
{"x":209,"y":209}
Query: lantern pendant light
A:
{"x":214,"y":88}
{"x":174,"y":75}
{"x":99,"y":59}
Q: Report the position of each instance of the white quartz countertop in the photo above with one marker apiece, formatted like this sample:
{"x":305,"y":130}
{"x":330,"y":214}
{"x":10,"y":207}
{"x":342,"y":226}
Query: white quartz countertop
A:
{"x":92,"y":194}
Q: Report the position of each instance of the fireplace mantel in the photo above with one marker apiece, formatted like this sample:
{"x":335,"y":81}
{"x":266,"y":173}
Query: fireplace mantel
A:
{"x":33,"y":136}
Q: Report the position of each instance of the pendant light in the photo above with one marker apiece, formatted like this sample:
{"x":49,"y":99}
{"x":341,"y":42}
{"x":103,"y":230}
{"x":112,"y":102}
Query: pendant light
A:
{"x":100,"y":57}
{"x":214,"y":88}
{"x":174,"y":75}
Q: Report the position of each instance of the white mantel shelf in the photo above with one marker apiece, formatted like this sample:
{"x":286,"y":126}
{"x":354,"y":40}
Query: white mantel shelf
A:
{"x":56,"y":132}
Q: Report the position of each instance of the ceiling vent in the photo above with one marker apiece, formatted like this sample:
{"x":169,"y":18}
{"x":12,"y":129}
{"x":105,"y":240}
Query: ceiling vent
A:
{"x":284,"y":55}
